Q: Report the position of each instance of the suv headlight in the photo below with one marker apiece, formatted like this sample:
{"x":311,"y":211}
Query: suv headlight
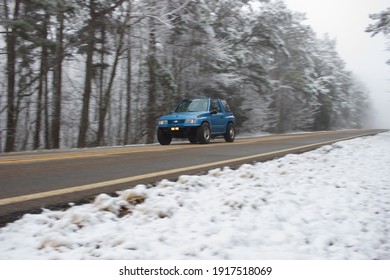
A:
{"x":162,"y":122}
{"x":190,"y":121}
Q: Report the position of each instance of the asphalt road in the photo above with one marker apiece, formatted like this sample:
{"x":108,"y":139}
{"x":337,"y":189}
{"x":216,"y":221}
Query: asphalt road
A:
{"x":33,"y":180}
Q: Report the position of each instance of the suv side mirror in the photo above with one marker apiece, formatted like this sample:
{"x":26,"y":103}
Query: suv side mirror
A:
{"x":213,"y":112}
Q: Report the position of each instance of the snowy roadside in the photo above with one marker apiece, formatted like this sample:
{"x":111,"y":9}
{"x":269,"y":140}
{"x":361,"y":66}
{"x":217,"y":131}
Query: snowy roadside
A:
{"x":331,"y":203}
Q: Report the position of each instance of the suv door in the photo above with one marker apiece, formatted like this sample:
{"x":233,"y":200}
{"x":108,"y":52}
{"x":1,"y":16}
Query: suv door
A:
{"x":217,"y":120}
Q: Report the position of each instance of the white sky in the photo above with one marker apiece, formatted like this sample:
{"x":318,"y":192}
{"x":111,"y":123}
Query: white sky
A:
{"x":365,"y":56}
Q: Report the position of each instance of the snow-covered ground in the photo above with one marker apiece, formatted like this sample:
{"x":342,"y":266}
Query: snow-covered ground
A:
{"x":331,"y":203}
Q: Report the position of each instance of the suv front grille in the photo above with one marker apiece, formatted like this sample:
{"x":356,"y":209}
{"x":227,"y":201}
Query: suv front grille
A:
{"x":176,"y":121}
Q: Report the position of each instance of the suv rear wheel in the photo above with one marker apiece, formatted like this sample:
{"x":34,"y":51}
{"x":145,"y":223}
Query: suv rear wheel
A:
{"x":230,"y":133}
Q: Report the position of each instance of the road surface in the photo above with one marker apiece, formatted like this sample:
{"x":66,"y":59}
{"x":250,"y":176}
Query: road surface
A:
{"x":30,"y":181}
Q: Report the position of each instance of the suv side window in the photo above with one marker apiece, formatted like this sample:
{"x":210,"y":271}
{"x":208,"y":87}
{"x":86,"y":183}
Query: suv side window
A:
{"x":226,"y":106}
{"x":215,"y":105}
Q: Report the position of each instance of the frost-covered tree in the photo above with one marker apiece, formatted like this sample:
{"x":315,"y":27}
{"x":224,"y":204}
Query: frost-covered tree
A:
{"x":100,"y":72}
{"x":381,"y":25}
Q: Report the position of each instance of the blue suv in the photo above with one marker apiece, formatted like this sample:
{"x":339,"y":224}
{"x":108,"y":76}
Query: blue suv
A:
{"x":198,"y":120}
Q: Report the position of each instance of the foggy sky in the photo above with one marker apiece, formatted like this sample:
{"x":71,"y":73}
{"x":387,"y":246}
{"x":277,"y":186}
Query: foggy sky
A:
{"x":346,"y":20}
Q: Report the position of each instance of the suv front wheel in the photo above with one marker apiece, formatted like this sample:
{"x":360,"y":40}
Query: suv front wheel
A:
{"x":163,"y":138}
{"x":203,"y":133}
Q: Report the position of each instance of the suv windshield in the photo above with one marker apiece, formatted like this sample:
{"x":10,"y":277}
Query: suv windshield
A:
{"x":192,"y":105}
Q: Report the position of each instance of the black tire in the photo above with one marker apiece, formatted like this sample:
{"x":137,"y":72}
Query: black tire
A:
{"x":230,"y":133}
{"x":163,"y":138}
{"x":203,"y":133}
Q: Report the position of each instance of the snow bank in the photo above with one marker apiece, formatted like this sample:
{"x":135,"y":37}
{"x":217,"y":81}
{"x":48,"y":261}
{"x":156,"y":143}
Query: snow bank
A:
{"x":331,"y":203}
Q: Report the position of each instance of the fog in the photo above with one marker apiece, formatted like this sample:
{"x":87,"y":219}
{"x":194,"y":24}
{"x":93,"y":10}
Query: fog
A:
{"x":346,"y":20}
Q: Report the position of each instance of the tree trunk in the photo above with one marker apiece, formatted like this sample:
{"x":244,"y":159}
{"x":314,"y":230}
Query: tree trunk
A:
{"x":11,"y":65}
{"x":84,"y":120}
{"x":128,"y":97}
{"x":57,"y":83}
{"x":102,"y":103}
{"x":42,"y":85}
{"x":152,"y":90}
{"x":38,"y":118}
{"x":126,"y":139}
{"x":105,"y":104}
{"x":47,"y":115}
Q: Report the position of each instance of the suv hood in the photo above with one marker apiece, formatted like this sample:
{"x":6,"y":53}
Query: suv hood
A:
{"x":186,"y":115}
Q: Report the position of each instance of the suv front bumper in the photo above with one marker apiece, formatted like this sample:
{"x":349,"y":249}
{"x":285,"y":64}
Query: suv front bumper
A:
{"x":179,"y":131}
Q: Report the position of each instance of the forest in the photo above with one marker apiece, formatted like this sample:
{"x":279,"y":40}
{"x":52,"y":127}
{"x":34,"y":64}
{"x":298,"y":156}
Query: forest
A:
{"x":87,"y":73}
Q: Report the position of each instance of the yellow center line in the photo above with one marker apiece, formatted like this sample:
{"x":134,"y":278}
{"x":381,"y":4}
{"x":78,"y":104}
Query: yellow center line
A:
{"x":90,"y":154}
